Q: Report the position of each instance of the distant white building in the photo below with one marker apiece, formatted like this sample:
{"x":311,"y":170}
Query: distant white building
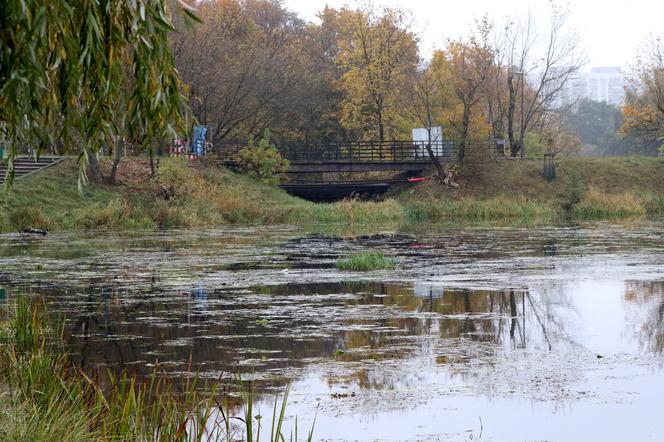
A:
{"x":603,"y":84}
{"x":606,"y":84}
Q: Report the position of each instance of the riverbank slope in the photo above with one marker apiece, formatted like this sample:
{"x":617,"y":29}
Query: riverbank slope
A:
{"x":204,"y":196}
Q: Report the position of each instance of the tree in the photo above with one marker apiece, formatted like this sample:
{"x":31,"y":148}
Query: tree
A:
{"x":422,"y":98}
{"x":262,"y":161}
{"x":643,"y":112}
{"x":245,"y":65}
{"x":465,"y":68}
{"x":65,"y":66}
{"x":536,"y":80}
{"x":597,"y":124}
{"x":377,"y":53}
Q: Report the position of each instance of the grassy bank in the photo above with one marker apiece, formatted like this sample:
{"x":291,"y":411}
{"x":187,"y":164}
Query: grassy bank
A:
{"x":44,"y":398}
{"x":585,"y":188}
{"x":207,"y":197}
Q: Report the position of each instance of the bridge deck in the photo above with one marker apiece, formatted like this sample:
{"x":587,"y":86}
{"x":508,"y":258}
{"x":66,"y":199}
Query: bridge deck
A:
{"x":350,"y":156}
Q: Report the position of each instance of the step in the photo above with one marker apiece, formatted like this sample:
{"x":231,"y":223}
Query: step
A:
{"x":25,"y":166}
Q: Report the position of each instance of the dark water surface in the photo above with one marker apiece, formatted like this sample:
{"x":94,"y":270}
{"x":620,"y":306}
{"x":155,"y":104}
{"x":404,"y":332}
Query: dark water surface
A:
{"x":501,"y":334}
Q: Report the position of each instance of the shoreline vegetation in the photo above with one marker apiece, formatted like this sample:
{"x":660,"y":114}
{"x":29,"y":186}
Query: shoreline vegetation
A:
{"x":43,"y":397}
{"x":198,"y":194}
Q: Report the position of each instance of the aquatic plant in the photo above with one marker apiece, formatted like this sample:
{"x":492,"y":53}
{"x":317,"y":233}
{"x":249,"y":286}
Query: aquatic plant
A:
{"x":365,"y":261}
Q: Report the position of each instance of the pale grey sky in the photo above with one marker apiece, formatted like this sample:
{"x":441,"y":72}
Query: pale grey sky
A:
{"x":609,"y":30}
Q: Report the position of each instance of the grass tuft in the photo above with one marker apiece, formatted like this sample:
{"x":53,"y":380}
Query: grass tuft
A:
{"x":365,"y":261}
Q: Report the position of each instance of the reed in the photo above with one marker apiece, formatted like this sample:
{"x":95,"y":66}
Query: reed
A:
{"x":599,"y":205}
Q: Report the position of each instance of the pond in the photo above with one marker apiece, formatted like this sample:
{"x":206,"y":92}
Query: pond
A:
{"x":480,"y":333}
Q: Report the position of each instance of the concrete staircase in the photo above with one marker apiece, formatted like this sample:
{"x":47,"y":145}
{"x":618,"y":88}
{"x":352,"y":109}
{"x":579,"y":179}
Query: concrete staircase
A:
{"x":26,"y":165}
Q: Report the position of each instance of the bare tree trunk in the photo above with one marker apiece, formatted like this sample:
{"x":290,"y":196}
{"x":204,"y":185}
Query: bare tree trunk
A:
{"x":94,"y":170}
{"x":381,"y":128}
{"x":59,"y":147}
{"x":117,"y":155}
{"x":436,"y":162}
{"x":465,"y":123}
{"x":152,"y":168}
{"x":511,"y":107}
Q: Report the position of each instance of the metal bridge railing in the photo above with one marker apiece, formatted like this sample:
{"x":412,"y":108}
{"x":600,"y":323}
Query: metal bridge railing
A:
{"x":385,"y":151}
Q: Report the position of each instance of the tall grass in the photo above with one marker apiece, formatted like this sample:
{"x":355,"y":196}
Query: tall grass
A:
{"x":46,"y":398}
{"x":596,"y":205}
{"x":492,"y":209}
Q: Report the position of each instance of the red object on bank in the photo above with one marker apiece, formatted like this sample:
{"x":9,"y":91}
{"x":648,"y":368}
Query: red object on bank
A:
{"x":416,"y":180}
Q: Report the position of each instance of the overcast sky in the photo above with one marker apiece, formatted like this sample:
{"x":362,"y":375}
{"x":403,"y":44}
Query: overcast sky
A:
{"x":609,"y":30}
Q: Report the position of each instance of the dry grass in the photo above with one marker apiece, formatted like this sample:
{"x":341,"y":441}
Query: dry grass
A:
{"x":597,"y":204}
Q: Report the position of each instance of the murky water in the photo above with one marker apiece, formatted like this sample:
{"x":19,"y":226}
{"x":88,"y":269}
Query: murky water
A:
{"x":502,"y":334}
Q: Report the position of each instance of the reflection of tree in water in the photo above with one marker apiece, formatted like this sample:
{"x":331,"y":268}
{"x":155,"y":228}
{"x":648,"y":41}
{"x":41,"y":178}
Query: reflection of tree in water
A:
{"x":265,"y":332}
{"x":648,"y":297}
{"x":552,"y":309}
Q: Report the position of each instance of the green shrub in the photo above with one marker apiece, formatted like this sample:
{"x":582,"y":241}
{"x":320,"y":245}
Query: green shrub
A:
{"x":262,"y":161}
{"x":575,"y":191}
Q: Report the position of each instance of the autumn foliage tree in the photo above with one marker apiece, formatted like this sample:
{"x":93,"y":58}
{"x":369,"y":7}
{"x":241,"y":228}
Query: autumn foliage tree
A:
{"x":643,"y":112}
{"x":377,"y":54}
{"x":463,"y":70}
{"x":422,"y":102}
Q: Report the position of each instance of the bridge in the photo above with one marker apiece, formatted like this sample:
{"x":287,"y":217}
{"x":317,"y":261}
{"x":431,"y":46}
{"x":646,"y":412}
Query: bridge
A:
{"x":362,"y":156}
{"x":330,"y":160}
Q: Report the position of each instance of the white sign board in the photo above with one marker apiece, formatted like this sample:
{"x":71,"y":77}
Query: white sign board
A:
{"x":420,"y":135}
{"x":421,"y":138}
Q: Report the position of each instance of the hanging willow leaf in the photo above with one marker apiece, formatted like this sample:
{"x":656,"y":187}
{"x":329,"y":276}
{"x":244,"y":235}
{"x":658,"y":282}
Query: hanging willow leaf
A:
{"x":86,"y":72}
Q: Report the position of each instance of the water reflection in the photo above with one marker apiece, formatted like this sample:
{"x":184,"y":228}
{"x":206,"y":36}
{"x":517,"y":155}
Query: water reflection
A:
{"x":648,"y":296}
{"x":271,"y":333}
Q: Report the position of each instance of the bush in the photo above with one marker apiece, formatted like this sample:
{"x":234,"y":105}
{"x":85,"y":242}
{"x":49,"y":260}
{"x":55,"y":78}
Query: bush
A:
{"x":263,"y":161}
{"x":575,"y":190}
